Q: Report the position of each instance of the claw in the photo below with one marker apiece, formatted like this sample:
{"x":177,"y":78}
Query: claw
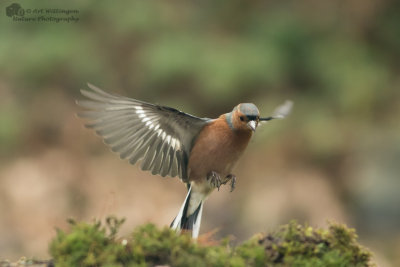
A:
{"x":233,"y":183}
{"x":214,"y":179}
{"x":232,"y":178}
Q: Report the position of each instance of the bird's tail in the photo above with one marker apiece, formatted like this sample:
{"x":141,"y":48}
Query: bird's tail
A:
{"x":186,"y":220}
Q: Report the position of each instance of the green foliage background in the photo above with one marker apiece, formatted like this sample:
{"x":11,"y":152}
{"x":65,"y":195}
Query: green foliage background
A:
{"x":338,"y":61}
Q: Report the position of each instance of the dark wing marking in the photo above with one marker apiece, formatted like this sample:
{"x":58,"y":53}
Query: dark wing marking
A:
{"x":161,"y":137}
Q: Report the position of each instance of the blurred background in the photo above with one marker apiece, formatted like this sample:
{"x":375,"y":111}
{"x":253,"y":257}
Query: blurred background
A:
{"x":335,"y":158}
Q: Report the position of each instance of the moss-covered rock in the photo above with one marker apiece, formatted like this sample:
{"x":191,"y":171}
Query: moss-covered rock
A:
{"x":90,"y":245}
{"x":297,"y":245}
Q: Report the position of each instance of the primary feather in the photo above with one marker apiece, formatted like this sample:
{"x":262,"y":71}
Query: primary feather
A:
{"x":161,"y":137}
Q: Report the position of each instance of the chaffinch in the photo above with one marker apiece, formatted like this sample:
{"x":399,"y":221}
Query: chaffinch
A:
{"x":200,"y":151}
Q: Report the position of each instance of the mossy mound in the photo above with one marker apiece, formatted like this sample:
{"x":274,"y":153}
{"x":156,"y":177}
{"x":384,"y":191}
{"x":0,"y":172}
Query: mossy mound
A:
{"x":90,"y":245}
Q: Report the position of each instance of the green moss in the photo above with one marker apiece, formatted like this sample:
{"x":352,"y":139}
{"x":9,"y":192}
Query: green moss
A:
{"x":297,"y":245}
{"x":90,"y":245}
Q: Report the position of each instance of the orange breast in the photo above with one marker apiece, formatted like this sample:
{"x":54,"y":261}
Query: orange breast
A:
{"x":217,"y":148}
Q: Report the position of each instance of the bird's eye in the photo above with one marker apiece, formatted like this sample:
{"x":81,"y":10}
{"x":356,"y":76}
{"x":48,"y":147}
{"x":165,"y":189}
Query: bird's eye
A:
{"x":242,"y":118}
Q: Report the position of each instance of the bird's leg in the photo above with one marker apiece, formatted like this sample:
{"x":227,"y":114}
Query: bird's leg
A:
{"x":232,"y":178}
{"x":214,"y":179}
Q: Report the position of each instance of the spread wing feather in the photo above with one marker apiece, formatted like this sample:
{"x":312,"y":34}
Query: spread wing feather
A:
{"x":161,"y":137}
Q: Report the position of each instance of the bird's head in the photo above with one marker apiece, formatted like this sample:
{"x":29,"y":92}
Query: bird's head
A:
{"x":245,"y":116}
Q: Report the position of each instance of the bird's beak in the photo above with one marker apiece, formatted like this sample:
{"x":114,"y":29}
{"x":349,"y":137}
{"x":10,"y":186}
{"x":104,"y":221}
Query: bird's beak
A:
{"x":252,"y":125}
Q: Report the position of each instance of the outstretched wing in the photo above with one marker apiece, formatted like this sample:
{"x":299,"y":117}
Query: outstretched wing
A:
{"x":160,"y":136}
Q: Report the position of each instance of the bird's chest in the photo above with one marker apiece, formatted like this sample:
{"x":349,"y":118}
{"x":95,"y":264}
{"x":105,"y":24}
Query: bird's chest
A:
{"x":217,"y":148}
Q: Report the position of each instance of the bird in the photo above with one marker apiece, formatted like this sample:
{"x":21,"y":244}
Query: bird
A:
{"x":200,"y":151}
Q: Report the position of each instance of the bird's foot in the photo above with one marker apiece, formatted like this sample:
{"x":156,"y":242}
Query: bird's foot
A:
{"x":232,"y":178}
{"x":214,"y":179}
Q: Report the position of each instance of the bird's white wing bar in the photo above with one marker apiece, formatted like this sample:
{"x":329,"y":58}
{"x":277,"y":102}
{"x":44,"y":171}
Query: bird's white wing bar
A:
{"x":161,"y":137}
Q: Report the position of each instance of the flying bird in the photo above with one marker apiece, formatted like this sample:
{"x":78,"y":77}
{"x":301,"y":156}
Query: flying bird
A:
{"x":200,"y":151}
